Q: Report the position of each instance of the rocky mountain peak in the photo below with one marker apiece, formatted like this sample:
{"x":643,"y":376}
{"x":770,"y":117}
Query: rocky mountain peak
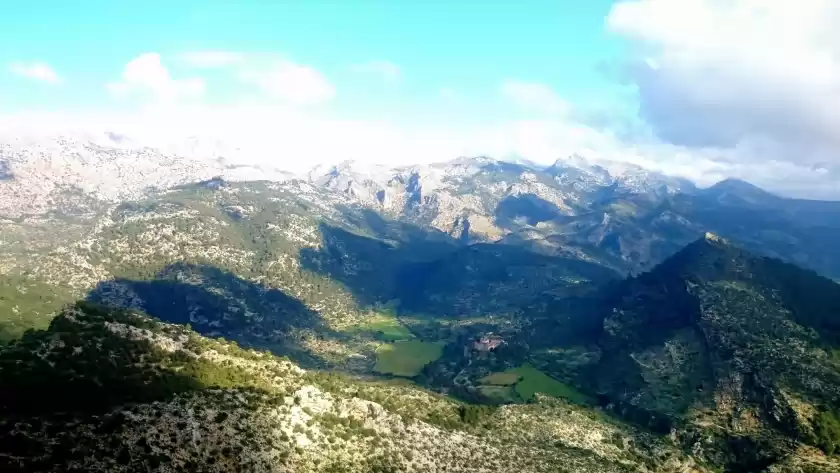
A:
{"x":74,"y":173}
{"x":711,"y":237}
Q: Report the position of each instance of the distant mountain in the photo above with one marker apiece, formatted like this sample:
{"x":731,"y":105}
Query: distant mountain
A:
{"x":462,"y":197}
{"x":738,"y":192}
{"x":77,"y":174}
{"x":624,"y":216}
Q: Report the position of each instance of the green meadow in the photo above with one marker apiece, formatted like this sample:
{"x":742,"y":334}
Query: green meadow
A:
{"x":535,"y":381}
{"x":501,"y":379}
{"x":385,"y":327}
{"x":503,"y":394}
{"x":528,"y":381}
{"x":406,"y":358}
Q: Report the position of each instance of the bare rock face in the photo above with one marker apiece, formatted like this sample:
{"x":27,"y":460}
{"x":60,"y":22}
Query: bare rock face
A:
{"x":75,"y":174}
{"x":622,"y":215}
{"x":469,"y":192}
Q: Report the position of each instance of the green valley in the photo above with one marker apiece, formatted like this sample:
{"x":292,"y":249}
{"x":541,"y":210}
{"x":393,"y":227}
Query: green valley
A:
{"x":333,"y":333}
{"x":406,"y":358}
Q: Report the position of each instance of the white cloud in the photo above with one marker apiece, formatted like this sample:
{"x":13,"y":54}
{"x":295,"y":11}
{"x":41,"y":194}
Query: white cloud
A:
{"x":146,"y":74}
{"x":290,"y":83}
{"x":534,"y":97}
{"x":212,"y":59}
{"x":754,"y":80}
{"x":296,"y":139}
{"x":717,"y":107}
{"x":39,"y":71}
{"x":384,"y":70}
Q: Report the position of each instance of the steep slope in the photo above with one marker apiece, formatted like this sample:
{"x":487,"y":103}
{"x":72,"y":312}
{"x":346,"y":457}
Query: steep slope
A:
{"x":481,"y":199}
{"x":738,"y":192}
{"x":137,"y":395}
{"x":288,"y":267}
{"x":735,"y":351}
{"x":491,"y":279}
{"x":623,"y":216}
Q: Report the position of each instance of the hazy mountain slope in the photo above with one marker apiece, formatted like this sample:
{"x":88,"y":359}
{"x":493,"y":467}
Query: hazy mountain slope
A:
{"x":80,"y":173}
{"x":621,"y":215}
{"x":177,"y":401}
{"x":253,"y":232}
{"x":482,"y":199}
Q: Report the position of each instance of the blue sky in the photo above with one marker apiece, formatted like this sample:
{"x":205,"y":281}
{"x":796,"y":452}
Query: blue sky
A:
{"x":467,"y":48}
{"x":704,"y":89}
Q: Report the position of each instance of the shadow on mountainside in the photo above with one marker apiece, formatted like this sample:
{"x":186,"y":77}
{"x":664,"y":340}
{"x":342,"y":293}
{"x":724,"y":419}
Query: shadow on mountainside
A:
{"x":5,"y":172}
{"x":424,"y":241}
{"x":487,"y":279}
{"x":430,"y":274}
{"x":215,"y":303}
{"x":369,"y":265}
{"x":75,"y":357}
{"x":527,"y":208}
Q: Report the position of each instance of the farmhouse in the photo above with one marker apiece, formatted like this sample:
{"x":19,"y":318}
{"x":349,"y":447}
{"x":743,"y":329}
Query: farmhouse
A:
{"x":487,"y":342}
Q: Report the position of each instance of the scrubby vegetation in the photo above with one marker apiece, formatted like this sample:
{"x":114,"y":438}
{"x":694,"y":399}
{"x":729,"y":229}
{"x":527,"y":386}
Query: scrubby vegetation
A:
{"x":26,"y":303}
{"x":715,"y":360}
{"x":827,"y":432}
{"x":186,"y":403}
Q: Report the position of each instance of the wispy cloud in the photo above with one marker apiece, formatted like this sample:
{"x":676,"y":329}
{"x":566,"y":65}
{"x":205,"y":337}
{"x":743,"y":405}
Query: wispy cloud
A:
{"x":146,"y":74}
{"x":212,"y":59}
{"x":384,"y":70}
{"x":38,"y":71}
{"x":534,"y":97}
{"x":291,"y":83}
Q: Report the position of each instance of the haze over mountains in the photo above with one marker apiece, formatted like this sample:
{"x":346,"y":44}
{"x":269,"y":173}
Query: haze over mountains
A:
{"x":613,"y":209}
{"x":624,"y":320}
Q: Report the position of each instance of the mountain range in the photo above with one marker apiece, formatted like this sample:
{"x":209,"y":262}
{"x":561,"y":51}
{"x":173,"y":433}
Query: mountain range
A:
{"x":584,"y":316}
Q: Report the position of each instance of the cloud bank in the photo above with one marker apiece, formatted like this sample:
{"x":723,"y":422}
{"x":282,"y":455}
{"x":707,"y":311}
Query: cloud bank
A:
{"x":740,"y":88}
{"x":756,"y":82}
{"x":147,"y":75}
{"x":37,"y":71}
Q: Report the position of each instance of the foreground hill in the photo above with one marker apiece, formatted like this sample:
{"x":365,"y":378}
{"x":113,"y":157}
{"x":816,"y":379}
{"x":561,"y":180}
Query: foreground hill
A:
{"x":106,"y":390}
{"x":715,"y":360}
{"x":736,"y":352}
{"x":731,"y":355}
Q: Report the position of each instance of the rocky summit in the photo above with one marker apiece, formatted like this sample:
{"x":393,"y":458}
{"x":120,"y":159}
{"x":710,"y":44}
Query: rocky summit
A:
{"x":168,"y":313}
